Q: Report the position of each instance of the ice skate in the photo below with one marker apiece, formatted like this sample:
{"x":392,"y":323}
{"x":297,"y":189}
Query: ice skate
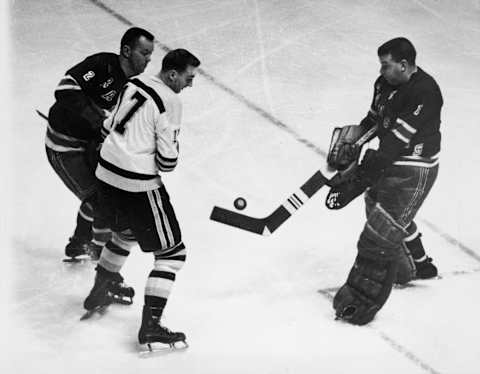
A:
{"x":77,"y":250}
{"x":426,"y":269}
{"x":107,"y":289}
{"x":156,"y":337}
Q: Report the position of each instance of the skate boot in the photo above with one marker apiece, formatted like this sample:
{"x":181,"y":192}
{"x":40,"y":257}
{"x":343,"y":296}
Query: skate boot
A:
{"x":151,"y":331}
{"x":107,"y":289}
{"x":425,"y":268}
{"x":423,"y":264}
{"x":76,"y":247}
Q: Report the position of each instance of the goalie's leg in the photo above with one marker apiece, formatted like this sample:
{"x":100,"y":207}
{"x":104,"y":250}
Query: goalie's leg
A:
{"x":371,"y":278}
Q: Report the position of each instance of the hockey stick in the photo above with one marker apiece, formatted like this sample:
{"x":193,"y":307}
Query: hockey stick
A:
{"x":266,"y":226}
{"x":41,"y":114}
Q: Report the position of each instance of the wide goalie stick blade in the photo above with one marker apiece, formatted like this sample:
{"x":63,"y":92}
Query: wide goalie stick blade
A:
{"x":266,"y":226}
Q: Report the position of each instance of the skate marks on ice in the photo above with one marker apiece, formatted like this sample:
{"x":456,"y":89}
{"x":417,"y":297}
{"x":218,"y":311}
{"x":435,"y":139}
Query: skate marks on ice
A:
{"x":159,"y":349}
{"x":328,"y":293}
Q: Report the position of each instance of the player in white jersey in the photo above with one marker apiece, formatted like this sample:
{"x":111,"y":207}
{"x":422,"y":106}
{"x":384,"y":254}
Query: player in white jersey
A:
{"x":141,"y":143}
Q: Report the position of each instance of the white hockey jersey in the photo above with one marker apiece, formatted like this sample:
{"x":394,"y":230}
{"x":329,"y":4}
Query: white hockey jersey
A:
{"x":141,"y":136}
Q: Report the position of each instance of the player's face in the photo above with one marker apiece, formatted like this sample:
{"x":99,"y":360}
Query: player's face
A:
{"x":184,"y":79}
{"x":391,"y":70}
{"x":141,"y":54}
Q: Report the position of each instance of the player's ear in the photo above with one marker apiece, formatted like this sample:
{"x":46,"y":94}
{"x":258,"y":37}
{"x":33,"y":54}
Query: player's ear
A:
{"x":172,"y":74}
{"x":126,"y":51}
{"x":403,"y":65}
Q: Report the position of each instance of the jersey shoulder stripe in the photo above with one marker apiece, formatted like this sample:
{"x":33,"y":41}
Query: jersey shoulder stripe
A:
{"x":156,"y":98}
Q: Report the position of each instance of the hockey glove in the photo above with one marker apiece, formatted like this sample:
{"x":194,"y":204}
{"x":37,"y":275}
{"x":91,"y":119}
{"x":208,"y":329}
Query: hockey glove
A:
{"x":347,"y":189}
{"x":343,"y":151}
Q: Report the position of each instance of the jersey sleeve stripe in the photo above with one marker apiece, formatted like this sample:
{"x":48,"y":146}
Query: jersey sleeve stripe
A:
{"x":400,"y":136}
{"x":156,"y":98}
{"x":405,"y":125}
{"x":165,"y":164}
{"x":68,"y":83}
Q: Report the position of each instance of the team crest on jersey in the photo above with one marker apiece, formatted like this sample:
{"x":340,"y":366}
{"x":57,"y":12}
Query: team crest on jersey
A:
{"x":107,"y":83}
{"x":418,"y":149}
{"x":386,"y":122}
{"x":109,"y":95}
{"x":88,"y":75}
{"x":418,"y":110}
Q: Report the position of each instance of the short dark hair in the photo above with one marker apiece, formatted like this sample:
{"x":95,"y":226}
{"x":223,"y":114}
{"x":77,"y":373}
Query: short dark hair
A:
{"x":132,"y":35}
{"x":399,"y":49}
{"x":179,"y":60}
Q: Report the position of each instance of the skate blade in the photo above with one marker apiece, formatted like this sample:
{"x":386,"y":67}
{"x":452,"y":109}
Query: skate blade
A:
{"x":76,"y":260}
{"x":158,"y":349}
{"x":90,"y":313}
{"x":122,"y":301}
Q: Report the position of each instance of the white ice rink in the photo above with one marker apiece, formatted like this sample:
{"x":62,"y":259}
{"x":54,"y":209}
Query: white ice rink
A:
{"x":277,"y":76}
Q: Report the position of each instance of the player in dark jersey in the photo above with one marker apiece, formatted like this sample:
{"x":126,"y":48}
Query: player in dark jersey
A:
{"x":398,"y":176}
{"x":83,"y":98}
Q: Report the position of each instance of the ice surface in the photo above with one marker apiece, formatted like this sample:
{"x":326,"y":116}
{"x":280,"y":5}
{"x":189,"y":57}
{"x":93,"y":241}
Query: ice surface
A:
{"x":248,"y":304}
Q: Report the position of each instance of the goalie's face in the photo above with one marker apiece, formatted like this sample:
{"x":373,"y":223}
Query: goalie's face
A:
{"x":394,"y":72}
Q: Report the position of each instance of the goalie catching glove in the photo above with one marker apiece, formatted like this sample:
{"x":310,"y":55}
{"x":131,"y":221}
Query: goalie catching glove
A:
{"x":344,"y":190}
{"x":343,"y":151}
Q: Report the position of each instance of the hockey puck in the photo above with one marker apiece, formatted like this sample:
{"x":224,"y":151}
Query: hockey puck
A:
{"x":240,"y":203}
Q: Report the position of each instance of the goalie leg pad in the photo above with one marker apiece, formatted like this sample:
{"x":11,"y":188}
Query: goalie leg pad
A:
{"x":368,"y":287}
{"x":371,"y":278}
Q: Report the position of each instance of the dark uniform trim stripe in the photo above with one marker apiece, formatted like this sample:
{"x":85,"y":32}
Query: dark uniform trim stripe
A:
{"x":116,"y":249}
{"x":137,"y":82}
{"x":64,"y":140}
{"x":162,"y":274}
{"x":125,"y":173}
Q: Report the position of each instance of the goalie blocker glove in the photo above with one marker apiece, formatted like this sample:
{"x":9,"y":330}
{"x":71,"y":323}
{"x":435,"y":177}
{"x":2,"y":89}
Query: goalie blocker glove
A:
{"x":344,"y":190}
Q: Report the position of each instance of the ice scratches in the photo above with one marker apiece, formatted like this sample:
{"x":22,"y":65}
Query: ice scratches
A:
{"x":329,"y":292}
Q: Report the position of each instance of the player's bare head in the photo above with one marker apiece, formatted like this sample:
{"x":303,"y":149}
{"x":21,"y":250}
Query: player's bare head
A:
{"x":397,"y":60}
{"x":136,"y":47}
{"x":178,"y":69}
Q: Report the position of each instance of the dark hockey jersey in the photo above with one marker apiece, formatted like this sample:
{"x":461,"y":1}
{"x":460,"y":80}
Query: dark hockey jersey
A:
{"x":408,"y":118}
{"x":83,"y":96}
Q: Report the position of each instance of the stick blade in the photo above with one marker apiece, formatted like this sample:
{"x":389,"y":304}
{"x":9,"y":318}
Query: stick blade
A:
{"x":238,"y":220}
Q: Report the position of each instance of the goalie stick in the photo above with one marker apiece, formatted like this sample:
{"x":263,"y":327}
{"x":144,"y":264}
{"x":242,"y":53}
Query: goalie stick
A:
{"x":267,"y":225}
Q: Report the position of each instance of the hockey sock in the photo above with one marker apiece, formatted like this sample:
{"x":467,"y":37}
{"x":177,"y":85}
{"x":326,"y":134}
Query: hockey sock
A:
{"x":83,"y":230}
{"x":160,"y":280}
{"x":116,"y":251}
{"x":101,"y":233}
{"x":415,"y":247}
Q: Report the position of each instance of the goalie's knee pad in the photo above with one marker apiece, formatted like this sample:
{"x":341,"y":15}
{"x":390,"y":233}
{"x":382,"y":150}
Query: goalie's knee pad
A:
{"x":381,"y":234}
{"x":368,"y":287}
